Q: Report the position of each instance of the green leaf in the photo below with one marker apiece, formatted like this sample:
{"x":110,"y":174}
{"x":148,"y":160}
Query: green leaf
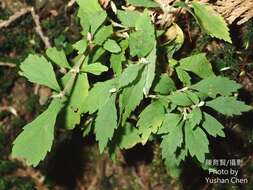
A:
{"x":37,"y":137}
{"x":144,"y":35}
{"x":38,"y":70}
{"x":112,"y":46}
{"x":174,"y":138}
{"x":129,"y":74}
{"x":196,"y":142}
{"x":127,"y":17}
{"x":212,"y":126}
{"x":215,"y":85}
{"x":143,"y":3}
{"x":116,"y":62}
{"x":103,"y":34}
{"x":211,"y":21}
{"x":151,"y":66}
{"x":76,"y":99}
{"x":195,"y":117}
{"x":165,"y":85}
{"x":180,"y":99}
{"x":89,"y":6}
{"x":130,"y":137}
{"x":198,"y":64}
{"x":132,"y":96}
{"x":106,"y":123}
{"x":97,"y":20}
{"x":81,"y":46}
{"x":98,"y":95}
{"x":58,"y":57}
{"x":95,"y":68}
{"x":150,"y":120}
{"x":171,"y":120}
{"x":183,"y":76}
{"x":228,"y":106}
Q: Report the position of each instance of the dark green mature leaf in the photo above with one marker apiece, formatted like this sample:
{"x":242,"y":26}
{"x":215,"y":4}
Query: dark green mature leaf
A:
{"x":103,"y":34}
{"x":196,"y":142}
{"x":151,"y":66}
{"x":212,"y":126}
{"x":180,"y":99}
{"x":183,"y":76}
{"x":76,"y":99}
{"x":129,"y":74}
{"x":128,"y":18}
{"x":215,"y":85}
{"x":130,"y":137}
{"x":211,"y":21}
{"x":228,"y":106}
{"x":143,"y":3}
{"x":95,"y":68}
{"x":132,"y":96}
{"x":150,"y":120}
{"x":112,"y":46}
{"x":144,"y":35}
{"x":38,"y":70}
{"x":58,"y":57}
{"x":165,"y":85}
{"x":198,"y":64}
{"x":106,"y":123}
{"x":171,"y":120}
{"x":98,"y":95}
{"x":37,"y":137}
{"x":174,"y":138}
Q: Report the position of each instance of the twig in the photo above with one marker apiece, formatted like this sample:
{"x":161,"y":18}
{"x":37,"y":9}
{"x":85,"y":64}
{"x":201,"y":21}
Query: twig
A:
{"x":11,"y":65}
{"x":14,"y":17}
{"x":38,"y":29}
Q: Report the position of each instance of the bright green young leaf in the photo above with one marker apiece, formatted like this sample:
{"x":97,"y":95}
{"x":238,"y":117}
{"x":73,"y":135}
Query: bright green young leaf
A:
{"x":37,"y":137}
{"x":58,"y":57}
{"x":130,"y":137}
{"x":180,"y":99}
{"x":165,"y":85}
{"x":151,"y":66}
{"x":212,"y":126}
{"x":106,"y":123}
{"x":103,"y":34}
{"x":129,"y":75}
{"x":215,"y":85}
{"x":171,"y":120}
{"x":89,"y":6}
{"x":71,"y":117}
{"x":196,"y":142}
{"x":198,"y":64}
{"x":38,"y":70}
{"x":97,"y":20}
{"x":127,"y":17}
{"x":95,"y":68}
{"x":98,"y":95}
{"x":193,"y":96}
{"x":211,"y":21}
{"x":228,"y":106}
{"x":81,"y":46}
{"x":112,"y":46}
{"x":143,"y":3}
